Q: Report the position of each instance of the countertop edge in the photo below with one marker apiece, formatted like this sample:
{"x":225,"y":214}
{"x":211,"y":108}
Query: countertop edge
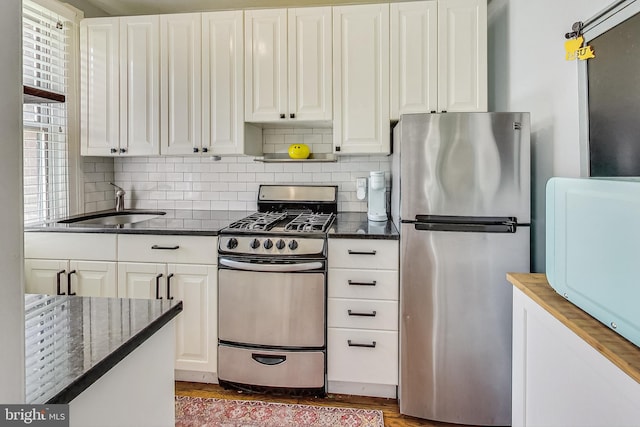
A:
{"x":85,"y":380}
{"x":621,"y":352}
{"x":363,"y":236}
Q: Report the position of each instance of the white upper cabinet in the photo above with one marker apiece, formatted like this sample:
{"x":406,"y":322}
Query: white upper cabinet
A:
{"x":361,"y":79}
{"x":181,"y":83}
{"x":438,"y":56}
{"x":462,"y":55}
{"x":100,"y":86}
{"x":288,"y":65}
{"x":222,"y":83}
{"x":414,"y":52}
{"x":120,"y":86}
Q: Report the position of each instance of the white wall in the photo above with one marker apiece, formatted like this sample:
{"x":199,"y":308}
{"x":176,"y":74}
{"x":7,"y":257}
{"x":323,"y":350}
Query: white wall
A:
{"x":11,"y":253}
{"x":528,"y":72}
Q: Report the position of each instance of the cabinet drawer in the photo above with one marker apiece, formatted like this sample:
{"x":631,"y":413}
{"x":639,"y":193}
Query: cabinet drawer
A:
{"x":363,"y":253}
{"x":367,"y":284}
{"x":81,"y":246}
{"x":362,"y":314}
{"x":352,"y":363}
{"x":170,"y":249}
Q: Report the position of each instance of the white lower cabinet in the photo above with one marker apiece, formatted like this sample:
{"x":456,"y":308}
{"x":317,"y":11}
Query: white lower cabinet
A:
{"x":196,"y":286}
{"x":70,"y":277}
{"x":362,"y":317}
{"x":184,"y":268}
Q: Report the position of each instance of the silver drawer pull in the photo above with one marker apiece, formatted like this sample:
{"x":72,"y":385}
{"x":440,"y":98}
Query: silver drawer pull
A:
{"x":354,"y":344}
{"x":361,"y":252}
{"x":356,"y":313}
{"x":354,"y":283}
{"x":268,"y":359}
{"x":169,"y":248}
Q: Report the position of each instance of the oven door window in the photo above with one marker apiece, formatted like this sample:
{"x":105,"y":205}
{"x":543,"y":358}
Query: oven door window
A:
{"x":272,"y":309}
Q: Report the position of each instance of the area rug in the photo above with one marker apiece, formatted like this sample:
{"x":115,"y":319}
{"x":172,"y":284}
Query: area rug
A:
{"x":202,"y":412}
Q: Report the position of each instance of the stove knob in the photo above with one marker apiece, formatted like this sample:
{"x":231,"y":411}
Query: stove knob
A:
{"x":268,"y":244}
{"x":232,"y":243}
{"x":280,"y":244}
{"x":293,"y":245}
{"x":255,"y":243}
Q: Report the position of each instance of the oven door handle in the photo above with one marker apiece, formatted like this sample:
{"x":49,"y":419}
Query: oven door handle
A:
{"x":279,"y":268}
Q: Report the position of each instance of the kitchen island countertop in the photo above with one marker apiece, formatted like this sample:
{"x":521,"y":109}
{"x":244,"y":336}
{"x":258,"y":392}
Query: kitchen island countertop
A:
{"x":621,"y":352}
{"x":71,"y":342}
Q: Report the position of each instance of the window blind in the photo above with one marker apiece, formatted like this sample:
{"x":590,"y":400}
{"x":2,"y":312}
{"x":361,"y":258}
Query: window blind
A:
{"x":46,"y":42}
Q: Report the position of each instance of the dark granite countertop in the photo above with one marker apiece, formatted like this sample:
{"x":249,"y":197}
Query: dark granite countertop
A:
{"x":70,"y":342}
{"x":208,"y":223}
{"x":355,"y":225}
{"x":174,"y":222}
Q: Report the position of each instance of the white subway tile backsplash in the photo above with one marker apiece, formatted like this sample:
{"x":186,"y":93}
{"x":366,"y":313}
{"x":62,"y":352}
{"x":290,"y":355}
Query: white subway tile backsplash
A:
{"x":195,"y":182}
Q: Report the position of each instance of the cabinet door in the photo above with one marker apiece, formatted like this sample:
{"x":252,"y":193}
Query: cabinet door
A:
{"x":265,"y":65}
{"x":222,"y":83}
{"x":310,"y":79}
{"x":414,"y":54}
{"x":93,"y":279}
{"x":361,"y":79}
{"x":141,"y":280}
{"x":100,"y":86}
{"x":196,"y":327}
{"x":139,"y":86}
{"x":462,"y":55}
{"x":181,"y":129}
{"x":42,"y":275}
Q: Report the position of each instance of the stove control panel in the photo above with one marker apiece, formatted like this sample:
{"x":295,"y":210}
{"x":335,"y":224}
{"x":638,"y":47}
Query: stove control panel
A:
{"x":274,"y":246}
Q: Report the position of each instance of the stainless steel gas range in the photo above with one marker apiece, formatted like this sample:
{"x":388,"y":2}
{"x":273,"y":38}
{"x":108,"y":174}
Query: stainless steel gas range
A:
{"x":272,"y":268}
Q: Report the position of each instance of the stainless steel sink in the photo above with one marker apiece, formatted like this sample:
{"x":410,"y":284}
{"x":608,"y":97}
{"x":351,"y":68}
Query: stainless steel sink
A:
{"x":128,"y":216}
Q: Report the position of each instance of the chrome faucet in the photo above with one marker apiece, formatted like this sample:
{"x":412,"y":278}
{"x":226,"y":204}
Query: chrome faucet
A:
{"x":119,"y":197}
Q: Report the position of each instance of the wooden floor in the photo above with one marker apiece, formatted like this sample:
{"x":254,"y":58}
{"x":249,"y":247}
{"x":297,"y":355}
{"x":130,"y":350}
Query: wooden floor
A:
{"x":389,"y":407}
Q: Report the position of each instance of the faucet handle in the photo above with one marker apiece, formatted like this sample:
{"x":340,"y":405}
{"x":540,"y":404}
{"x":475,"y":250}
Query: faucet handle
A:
{"x":118,"y":187}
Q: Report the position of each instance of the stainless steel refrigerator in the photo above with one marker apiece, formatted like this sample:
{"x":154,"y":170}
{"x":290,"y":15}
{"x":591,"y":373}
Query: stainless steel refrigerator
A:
{"x":461,"y":200}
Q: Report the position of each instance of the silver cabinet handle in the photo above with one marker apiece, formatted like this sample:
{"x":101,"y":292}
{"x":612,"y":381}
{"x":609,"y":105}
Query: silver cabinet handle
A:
{"x":354,"y":283}
{"x":361,"y":252}
{"x":169,"y":248}
{"x":357,"y":313}
{"x":353,"y":344}
{"x":250,"y":266}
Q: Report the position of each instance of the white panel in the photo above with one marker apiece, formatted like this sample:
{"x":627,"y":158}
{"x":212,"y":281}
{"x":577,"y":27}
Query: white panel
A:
{"x":310,"y":78}
{"x":41,"y":276}
{"x":177,"y":249}
{"x":462,"y":55}
{"x":138,"y":280}
{"x":377,"y":365}
{"x":362,"y":314}
{"x":414,"y":54}
{"x":196,"y":337}
{"x":361,"y":79}
{"x":100,"y":88}
{"x":139,"y":85}
{"x":93,"y":279}
{"x":363,"y":283}
{"x":80,"y":246}
{"x":363,"y":253}
{"x":222,"y":82}
{"x":265,"y":62}
{"x":181,"y":129}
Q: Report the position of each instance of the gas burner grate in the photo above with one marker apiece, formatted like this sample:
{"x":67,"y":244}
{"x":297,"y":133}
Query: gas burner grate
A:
{"x":258,"y":221}
{"x":310,"y":222}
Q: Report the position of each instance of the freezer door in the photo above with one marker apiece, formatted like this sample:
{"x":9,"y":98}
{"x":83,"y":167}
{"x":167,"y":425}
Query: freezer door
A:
{"x":474,"y":164}
{"x":455,"y":329}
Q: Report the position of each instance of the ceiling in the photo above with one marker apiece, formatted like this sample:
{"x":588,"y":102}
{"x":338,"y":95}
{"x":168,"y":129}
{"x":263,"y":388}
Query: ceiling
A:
{"x":143,"y":7}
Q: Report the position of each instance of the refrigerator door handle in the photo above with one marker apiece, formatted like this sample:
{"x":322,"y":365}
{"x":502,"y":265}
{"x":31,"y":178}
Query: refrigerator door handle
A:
{"x":474,"y":228}
{"x":457,"y":219}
